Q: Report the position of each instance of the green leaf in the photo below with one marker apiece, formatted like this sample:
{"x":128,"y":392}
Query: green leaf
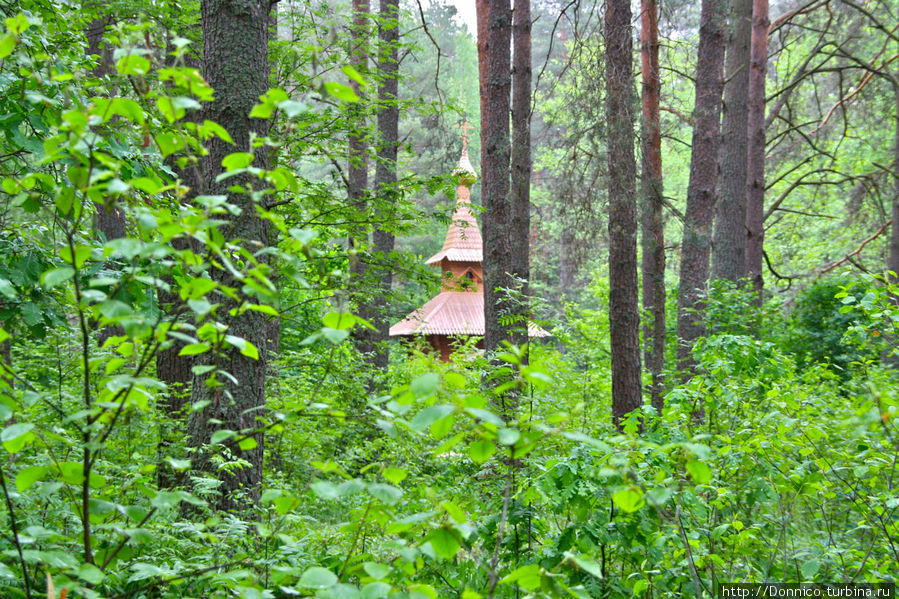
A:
{"x":629,"y":499}
{"x":17,"y":24}
{"x":246,"y":348}
{"x":335,"y":336}
{"x":221,"y":435}
{"x":449,"y":444}
{"x":394,"y":475}
{"x":16,"y":436}
{"x":353,"y":74}
{"x":527,"y":577}
{"x":480,"y":451}
{"x":386,"y":494}
{"x":210,"y":128}
{"x":318,"y":578}
{"x":376,"y":590}
{"x":31,"y":314}
{"x":508,"y":436}
{"x":73,"y":473}
{"x":7,"y":45}
{"x":376,"y":570}
{"x":430,"y":415}
{"x":454,"y":511}
{"x":237,"y":160}
{"x":91,"y":573}
{"x":129,"y":109}
{"x":582,"y":438}
{"x":339,"y":320}
{"x":54,"y":277}
{"x":486,"y":416}
{"x":425,"y":385}
{"x":292,"y":108}
{"x":193,"y":349}
{"x":699,"y":472}
{"x":445,"y":542}
{"x":588,"y":565}
{"x":247,"y":444}
{"x":341,"y":91}
{"x":133,"y":65}
{"x":810,"y":568}
{"x":28,"y":476}
{"x":82,"y":253}
{"x":169,"y":143}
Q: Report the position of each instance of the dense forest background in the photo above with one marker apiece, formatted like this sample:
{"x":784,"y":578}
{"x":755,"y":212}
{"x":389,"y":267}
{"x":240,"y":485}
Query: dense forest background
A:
{"x":212,"y":210}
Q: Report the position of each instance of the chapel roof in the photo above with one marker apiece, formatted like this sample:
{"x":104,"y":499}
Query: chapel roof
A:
{"x":451,"y":313}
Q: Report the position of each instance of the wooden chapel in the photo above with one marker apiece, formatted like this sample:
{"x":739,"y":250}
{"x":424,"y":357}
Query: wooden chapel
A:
{"x":457,"y":312}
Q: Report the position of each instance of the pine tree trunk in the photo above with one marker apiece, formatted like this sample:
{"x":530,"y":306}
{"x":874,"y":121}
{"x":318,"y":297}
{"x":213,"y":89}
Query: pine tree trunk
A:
{"x":519,"y":234}
{"x":495,"y":179}
{"x":357,"y":177}
{"x":624,"y":315}
{"x":755,"y":172}
{"x":653,"y":224}
{"x":893,"y":263}
{"x":482,"y":12}
{"x":235,"y":49}
{"x":729,"y":243}
{"x":694,"y":268}
{"x":385,"y":170}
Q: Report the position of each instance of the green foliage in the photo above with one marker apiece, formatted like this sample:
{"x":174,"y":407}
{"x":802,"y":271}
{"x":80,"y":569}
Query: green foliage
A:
{"x":823,"y":316}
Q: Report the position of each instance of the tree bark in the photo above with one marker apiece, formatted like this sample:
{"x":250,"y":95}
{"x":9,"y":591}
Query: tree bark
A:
{"x":495,"y":179}
{"x":385,"y":170}
{"x":893,"y":263}
{"x":653,"y":225}
{"x":235,"y":48}
{"x":357,"y":175}
{"x":482,"y":13}
{"x":519,"y":234}
{"x":755,"y":171}
{"x":729,"y":241}
{"x":624,"y":315}
{"x":694,"y":269}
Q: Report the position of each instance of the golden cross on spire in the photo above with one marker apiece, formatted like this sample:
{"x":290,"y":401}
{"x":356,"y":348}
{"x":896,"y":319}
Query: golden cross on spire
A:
{"x":465,"y":127}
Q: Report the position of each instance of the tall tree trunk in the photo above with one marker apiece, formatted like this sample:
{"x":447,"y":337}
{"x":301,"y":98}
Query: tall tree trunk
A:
{"x":482,"y":13}
{"x":624,"y":314}
{"x":495,"y":180}
{"x":893,"y":263}
{"x":694,"y":268}
{"x":385,"y":170}
{"x":755,"y":171}
{"x":357,"y":174}
{"x":235,"y":49}
{"x":653,"y":224}
{"x":729,"y":242}
{"x":519,"y":234}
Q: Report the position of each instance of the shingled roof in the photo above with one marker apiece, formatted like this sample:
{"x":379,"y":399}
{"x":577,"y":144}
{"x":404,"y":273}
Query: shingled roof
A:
{"x":463,"y":241}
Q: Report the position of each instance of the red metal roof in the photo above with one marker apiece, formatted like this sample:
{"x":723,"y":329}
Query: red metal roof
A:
{"x":451,"y":313}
